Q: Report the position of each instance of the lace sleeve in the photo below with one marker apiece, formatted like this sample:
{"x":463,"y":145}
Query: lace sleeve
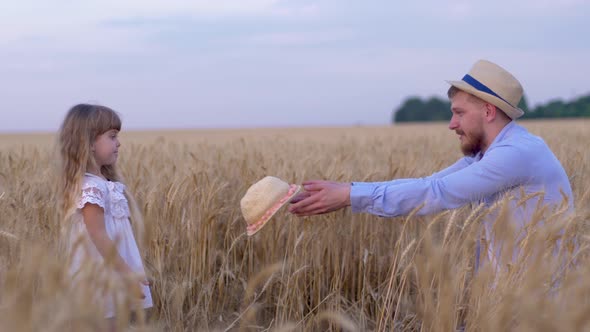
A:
{"x":92,"y":194}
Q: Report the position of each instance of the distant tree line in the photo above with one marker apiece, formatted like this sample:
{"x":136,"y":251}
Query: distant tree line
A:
{"x":438,"y":109}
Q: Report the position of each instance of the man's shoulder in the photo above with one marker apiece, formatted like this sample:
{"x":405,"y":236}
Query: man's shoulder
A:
{"x":523,"y":148}
{"x":521,"y":140}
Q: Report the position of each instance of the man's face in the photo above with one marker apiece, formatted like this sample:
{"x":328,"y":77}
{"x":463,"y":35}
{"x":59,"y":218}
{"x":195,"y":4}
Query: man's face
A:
{"x":468,"y":122}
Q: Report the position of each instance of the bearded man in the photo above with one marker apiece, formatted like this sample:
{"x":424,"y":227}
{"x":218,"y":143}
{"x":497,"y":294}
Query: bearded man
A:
{"x":501,"y":158}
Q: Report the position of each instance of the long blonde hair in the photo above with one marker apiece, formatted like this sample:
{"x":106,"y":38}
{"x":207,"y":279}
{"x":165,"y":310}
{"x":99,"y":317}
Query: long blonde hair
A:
{"x":80,"y":128}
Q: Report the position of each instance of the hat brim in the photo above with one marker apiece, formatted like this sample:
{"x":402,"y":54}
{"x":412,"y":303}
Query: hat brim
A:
{"x":273,"y":210}
{"x":513,"y":112}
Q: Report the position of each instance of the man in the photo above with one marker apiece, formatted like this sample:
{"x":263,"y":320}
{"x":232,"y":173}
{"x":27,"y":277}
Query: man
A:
{"x":501,"y":158}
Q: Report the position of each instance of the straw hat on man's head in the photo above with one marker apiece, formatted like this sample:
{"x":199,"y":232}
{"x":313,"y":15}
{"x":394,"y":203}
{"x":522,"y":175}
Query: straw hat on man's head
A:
{"x":493,"y":84}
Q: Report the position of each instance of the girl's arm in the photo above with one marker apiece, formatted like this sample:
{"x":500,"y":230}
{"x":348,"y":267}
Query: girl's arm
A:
{"x":94,"y":220}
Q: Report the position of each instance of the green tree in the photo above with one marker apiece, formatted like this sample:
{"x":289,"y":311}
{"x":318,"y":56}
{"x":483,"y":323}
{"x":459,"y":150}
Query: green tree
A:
{"x":415,"y":109}
{"x":523,"y":104}
{"x":438,"y":109}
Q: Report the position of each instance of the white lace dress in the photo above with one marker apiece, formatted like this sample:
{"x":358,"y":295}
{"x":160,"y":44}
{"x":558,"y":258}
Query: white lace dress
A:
{"x":110,"y":196}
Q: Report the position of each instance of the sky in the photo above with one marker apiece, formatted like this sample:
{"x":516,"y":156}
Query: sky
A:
{"x":273,"y":63}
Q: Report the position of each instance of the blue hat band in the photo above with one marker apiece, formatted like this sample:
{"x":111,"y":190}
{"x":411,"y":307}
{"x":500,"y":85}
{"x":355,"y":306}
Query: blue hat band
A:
{"x":482,"y":87}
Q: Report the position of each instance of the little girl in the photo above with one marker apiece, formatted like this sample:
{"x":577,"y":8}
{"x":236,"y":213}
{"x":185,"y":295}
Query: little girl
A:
{"x":101,"y":244}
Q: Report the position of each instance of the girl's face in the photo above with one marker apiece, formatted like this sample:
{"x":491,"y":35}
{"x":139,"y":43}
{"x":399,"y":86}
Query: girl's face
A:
{"x":106,"y":148}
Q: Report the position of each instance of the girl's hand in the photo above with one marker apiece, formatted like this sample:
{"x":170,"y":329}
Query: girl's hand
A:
{"x":134,"y":281}
{"x":135,"y":286}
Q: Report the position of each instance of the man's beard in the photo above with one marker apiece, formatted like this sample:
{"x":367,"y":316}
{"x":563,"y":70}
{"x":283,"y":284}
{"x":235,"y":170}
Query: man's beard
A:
{"x":471,"y":144}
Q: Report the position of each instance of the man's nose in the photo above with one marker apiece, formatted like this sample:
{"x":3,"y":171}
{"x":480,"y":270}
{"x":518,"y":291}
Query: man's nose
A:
{"x":453,"y":124}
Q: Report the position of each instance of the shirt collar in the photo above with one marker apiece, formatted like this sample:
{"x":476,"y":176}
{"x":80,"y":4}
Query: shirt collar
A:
{"x":503,"y":132}
{"x":497,"y":139}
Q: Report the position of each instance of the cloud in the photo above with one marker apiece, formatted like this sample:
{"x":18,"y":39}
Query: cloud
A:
{"x":494,"y":11}
{"x":300,"y":38}
{"x":99,"y":10}
{"x":28,"y":15}
{"x":122,"y":25}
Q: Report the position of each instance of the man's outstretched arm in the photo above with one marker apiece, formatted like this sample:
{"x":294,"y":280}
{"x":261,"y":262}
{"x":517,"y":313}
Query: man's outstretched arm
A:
{"x":500,"y":169}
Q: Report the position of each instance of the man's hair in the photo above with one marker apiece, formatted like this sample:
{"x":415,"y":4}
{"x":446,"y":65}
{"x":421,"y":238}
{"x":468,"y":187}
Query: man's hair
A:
{"x":453,"y":91}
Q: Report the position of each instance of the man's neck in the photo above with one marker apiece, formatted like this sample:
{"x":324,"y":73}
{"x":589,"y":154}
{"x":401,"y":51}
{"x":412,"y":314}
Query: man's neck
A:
{"x":491,"y":134}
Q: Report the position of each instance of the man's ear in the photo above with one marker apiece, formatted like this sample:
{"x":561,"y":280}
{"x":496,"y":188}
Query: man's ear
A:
{"x":491,"y":112}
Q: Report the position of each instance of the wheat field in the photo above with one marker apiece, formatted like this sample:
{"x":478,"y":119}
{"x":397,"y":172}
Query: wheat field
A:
{"x":335,"y":272}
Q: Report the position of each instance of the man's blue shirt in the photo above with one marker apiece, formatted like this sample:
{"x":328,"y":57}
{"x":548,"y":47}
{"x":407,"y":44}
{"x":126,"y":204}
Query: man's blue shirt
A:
{"x":516,"y":163}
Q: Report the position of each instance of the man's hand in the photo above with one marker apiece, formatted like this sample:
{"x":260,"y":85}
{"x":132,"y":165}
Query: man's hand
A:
{"x":320,"y":197}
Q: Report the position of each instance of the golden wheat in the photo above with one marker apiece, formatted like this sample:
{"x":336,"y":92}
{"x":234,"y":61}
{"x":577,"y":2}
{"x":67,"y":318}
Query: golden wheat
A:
{"x":331,"y":272}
